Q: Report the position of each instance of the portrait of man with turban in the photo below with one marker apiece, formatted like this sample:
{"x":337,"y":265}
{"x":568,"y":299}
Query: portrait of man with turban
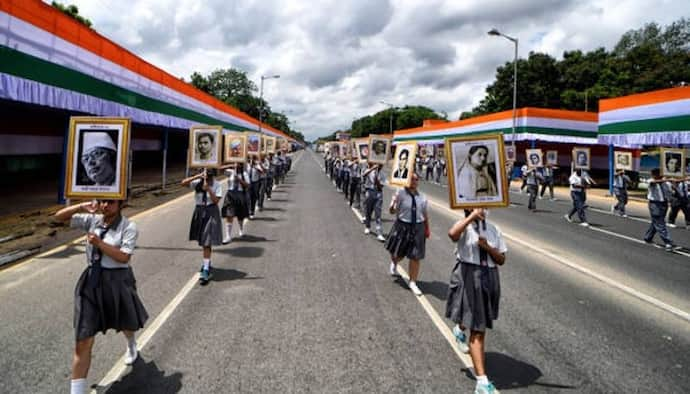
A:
{"x":98,"y":159}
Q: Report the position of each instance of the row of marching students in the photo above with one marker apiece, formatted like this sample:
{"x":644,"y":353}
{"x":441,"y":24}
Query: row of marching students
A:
{"x":474,"y":289}
{"x":106,"y":295}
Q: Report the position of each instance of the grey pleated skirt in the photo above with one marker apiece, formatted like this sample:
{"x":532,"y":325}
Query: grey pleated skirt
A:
{"x":236,"y":204}
{"x":406,"y":240}
{"x":206,"y":227}
{"x":473,"y":296}
{"x":114,"y":303}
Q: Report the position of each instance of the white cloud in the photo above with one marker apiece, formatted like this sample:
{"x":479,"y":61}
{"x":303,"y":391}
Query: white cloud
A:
{"x":337,"y":59}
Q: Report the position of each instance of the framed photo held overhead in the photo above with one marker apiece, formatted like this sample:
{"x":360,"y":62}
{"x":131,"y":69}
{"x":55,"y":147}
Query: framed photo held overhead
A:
{"x":205,"y":146}
{"x":253,"y":143}
{"x":97,"y":158}
{"x":363,"y":148}
{"x":510,"y":152}
{"x":535,"y":158}
{"x":476,"y":176}
{"x":671,"y":162}
{"x":551,"y":157}
{"x":623,"y":160}
{"x":270,"y":145}
{"x":379,"y":149}
{"x":235,"y":148}
{"x":343,"y":151}
{"x":403,"y":163}
{"x":581,"y":158}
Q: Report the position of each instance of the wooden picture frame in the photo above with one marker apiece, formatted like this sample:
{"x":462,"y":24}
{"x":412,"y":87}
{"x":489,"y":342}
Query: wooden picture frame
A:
{"x":534,"y":158}
{"x":205,"y":152}
{"x":510,"y":152}
{"x":363,"y":149}
{"x":379,"y":149}
{"x":270,"y":145}
{"x":551,"y":157}
{"x":581,"y":158}
{"x":622,"y":160}
{"x":235,"y":148}
{"x":97,"y":158}
{"x":403,"y":163}
{"x":476,"y":171}
{"x":253,"y":143}
{"x":672,"y":157}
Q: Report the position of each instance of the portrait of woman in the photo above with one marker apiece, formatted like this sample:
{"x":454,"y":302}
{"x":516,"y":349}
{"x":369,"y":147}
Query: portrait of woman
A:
{"x":672,"y":162}
{"x":205,"y":146}
{"x":581,"y":158}
{"x":534,"y":158}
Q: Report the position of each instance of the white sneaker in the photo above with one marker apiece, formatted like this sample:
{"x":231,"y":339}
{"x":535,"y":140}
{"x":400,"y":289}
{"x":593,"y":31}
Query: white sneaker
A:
{"x":414,"y":288}
{"x":584,"y":224}
{"x":381,"y":238}
{"x":131,"y":357}
{"x":367,"y":231}
{"x":624,"y":215}
{"x":241,"y":233}
{"x":227,"y":240}
{"x":251,"y":217}
{"x":461,"y":339}
{"x":672,"y":225}
{"x":392,"y":269}
{"x":568,"y":218}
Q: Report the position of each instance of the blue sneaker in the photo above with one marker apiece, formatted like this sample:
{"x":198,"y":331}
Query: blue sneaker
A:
{"x":204,"y":276}
{"x":461,"y":339}
{"x":484,"y":388}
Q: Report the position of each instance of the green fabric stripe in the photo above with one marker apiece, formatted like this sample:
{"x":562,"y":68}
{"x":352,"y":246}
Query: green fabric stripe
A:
{"x":29,"y":67}
{"x":674,"y":123}
{"x":508,"y":131}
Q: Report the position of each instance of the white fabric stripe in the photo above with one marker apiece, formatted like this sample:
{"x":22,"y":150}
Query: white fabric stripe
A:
{"x":518,"y":137}
{"x":27,"y":38}
{"x":578,"y":125}
{"x":642,"y":112}
{"x":639,"y":139}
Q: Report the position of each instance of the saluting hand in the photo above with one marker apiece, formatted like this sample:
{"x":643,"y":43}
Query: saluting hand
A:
{"x":91,"y":206}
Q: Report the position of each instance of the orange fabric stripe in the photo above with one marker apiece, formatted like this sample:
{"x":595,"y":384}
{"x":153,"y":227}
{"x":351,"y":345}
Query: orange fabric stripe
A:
{"x":55,"y":22}
{"x":654,"y":97}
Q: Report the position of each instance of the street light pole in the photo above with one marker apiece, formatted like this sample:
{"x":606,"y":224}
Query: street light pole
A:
{"x":390,"y":121}
{"x":495,"y":32}
{"x":261,"y":99}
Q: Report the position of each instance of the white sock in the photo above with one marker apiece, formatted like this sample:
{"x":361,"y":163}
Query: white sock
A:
{"x":482,"y":379}
{"x":228,"y":226}
{"x":78,"y":386}
{"x":132,"y":343}
{"x":207,"y":263}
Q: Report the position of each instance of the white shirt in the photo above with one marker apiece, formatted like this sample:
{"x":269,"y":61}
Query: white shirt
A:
{"x":199,"y":197}
{"x":405,"y":206}
{"x":233,"y":181}
{"x":467,"y":249}
{"x":575,"y":180}
{"x":124,"y":236}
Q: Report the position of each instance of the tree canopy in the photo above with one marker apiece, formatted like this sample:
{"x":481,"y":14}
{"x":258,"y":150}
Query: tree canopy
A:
{"x":382,"y":122}
{"x":73,"y":12}
{"x":649,"y":58}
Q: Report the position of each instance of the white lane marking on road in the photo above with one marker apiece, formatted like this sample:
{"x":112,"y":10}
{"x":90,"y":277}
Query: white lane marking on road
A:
{"x":626,"y":289}
{"x":119,"y":368}
{"x":435,"y":317}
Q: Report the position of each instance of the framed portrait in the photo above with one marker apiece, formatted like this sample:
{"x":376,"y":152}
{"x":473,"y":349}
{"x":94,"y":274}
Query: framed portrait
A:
{"x":379,"y":149}
{"x":205,"y":146}
{"x":354,"y":152}
{"x":581,"y":158}
{"x":363,"y":148}
{"x":253,"y":144}
{"x":672,"y":161}
{"x":97,"y":158}
{"x":270,"y":144}
{"x":534,"y":158}
{"x":403,"y":164}
{"x":235,"y":148}
{"x":623,"y":160}
{"x":343,"y":151}
{"x":510,"y":152}
{"x":476,"y":175}
{"x":552,"y":157}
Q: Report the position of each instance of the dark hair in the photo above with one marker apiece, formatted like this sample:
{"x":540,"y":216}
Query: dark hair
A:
{"x":406,"y":152}
{"x":477,"y":147}
{"x":201,"y":135}
{"x":656,"y":172}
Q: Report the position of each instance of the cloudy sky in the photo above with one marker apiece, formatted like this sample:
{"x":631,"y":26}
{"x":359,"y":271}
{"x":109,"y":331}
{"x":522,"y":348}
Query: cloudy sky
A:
{"x":337,"y":59}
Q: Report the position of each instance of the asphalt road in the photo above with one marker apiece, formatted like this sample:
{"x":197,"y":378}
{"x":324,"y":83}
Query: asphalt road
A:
{"x":304,"y":303}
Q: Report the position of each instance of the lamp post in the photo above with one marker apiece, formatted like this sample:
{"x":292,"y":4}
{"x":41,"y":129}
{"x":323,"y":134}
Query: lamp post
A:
{"x":495,"y":32}
{"x":261,"y":99}
{"x":390,"y":123}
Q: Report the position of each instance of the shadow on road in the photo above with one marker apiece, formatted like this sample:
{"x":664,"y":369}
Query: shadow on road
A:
{"x":279,"y":200}
{"x":275,"y":209}
{"x":508,"y":373}
{"x":265,"y":219}
{"x":253,"y":238}
{"x":242,"y":251}
{"x":145,"y":377}
{"x":227,"y":274}
{"x":436,"y":288}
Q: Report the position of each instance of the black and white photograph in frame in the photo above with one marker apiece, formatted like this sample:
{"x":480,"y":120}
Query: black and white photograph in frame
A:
{"x":551,"y":157}
{"x":475,"y":171}
{"x":98,"y":150}
{"x":623,"y":160}
{"x":672,"y":162}
{"x":510,"y":152}
{"x":205,"y":147}
{"x":363,"y":148}
{"x":535,"y":158}
{"x":581,"y":158}
{"x":379,"y":149}
{"x":403,"y":164}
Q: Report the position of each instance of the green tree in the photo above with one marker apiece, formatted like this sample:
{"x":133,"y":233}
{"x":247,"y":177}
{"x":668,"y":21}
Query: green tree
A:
{"x":73,"y":12}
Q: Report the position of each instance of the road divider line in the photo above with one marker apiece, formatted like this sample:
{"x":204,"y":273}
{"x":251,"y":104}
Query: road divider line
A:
{"x":624,"y":288}
{"x":433,"y":314}
{"x":119,"y":368}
